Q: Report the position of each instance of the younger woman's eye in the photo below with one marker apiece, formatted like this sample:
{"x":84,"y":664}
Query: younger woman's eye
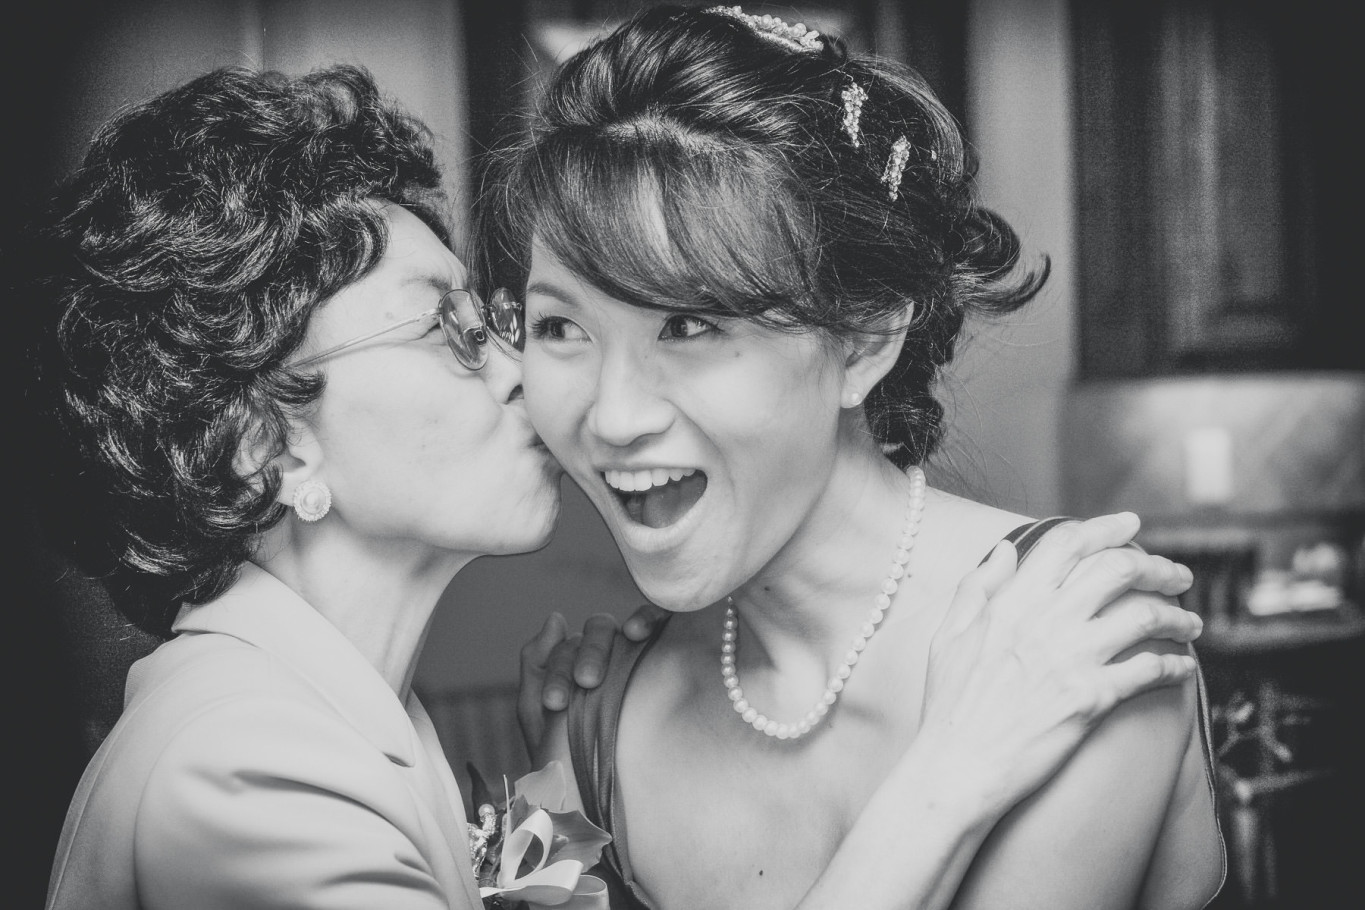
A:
{"x":555,"y":328}
{"x":681,"y":326}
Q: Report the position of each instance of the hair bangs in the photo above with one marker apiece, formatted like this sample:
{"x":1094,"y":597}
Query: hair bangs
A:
{"x":657,"y":222}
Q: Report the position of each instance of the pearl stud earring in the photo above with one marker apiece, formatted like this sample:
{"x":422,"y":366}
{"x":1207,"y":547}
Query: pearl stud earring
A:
{"x":312,"y":500}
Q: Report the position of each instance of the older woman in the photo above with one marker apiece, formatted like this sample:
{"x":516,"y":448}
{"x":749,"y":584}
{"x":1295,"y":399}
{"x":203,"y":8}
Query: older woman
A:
{"x":746,"y":258}
{"x":301,"y":422}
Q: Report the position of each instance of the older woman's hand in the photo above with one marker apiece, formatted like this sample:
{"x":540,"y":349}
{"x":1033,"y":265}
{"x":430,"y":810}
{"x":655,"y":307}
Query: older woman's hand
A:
{"x":1031,"y":658}
{"x":554,"y":662}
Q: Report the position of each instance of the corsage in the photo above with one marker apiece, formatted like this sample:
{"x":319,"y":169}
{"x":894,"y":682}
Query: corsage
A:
{"x":527,"y":852}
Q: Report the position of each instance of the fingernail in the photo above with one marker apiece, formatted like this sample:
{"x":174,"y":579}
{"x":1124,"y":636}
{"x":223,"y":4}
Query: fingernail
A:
{"x":588,"y":677}
{"x":555,"y":699}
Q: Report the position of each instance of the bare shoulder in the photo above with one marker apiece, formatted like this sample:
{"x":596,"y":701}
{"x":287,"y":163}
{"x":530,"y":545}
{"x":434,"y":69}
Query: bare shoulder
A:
{"x":955,"y":535}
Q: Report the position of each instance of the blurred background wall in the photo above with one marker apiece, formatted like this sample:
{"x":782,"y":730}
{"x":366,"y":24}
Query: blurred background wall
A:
{"x":1184,"y":165}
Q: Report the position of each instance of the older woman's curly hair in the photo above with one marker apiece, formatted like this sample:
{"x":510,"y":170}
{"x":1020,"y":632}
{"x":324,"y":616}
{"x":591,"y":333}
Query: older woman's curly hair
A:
{"x":192,"y":246}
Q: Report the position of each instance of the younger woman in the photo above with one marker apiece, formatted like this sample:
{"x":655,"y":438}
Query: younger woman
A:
{"x":750,"y":258}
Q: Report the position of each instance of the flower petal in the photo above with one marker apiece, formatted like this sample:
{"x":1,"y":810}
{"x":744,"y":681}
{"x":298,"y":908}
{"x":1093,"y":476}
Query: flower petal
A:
{"x":547,"y":788}
{"x":584,"y":839}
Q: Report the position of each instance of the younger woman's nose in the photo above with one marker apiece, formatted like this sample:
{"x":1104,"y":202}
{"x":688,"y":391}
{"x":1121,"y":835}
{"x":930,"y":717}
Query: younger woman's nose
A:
{"x":625,"y":407}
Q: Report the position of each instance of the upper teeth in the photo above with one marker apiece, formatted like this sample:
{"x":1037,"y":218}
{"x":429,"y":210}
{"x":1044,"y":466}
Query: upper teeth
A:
{"x":636,"y":481}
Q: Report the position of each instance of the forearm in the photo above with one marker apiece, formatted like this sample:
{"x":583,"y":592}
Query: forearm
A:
{"x":913,"y":843}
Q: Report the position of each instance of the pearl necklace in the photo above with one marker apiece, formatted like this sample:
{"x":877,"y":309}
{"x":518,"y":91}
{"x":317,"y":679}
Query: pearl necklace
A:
{"x":729,"y":638}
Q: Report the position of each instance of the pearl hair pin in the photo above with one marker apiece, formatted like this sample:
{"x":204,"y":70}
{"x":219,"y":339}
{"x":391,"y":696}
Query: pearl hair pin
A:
{"x":730,"y":634}
{"x":895,"y":167}
{"x":795,"y":37}
{"x":853,"y":97}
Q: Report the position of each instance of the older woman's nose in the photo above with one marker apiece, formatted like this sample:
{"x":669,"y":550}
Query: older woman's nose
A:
{"x":502,"y":374}
{"x":626,"y":406}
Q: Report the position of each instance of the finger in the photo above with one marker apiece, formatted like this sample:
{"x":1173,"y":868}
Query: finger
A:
{"x":531,"y":686}
{"x":536,"y":651}
{"x":1063,"y":547}
{"x":1143,"y":672}
{"x":1141,"y":620}
{"x":977,"y":588}
{"x":534,"y":655}
{"x":1101,"y":578}
{"x":590,"y":663}
{"x":1139,"y":570}
{"x":642,"y":623}
{"x":559,"y":673}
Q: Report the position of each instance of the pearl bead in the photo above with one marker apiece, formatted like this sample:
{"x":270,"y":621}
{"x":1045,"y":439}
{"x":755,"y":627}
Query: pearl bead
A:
{"x":881,"y":602}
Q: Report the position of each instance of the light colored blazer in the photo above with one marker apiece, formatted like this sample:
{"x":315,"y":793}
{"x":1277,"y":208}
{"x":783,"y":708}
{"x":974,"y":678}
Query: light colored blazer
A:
{"x":261,"y":761}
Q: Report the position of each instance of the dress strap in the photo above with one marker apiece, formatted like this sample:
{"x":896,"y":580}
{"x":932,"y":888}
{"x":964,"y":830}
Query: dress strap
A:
{"x":593,"y":718}
{"x":1027,"y":535}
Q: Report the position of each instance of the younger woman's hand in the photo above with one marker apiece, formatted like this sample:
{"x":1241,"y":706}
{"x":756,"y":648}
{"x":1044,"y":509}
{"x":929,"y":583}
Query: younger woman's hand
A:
{"x":1023,"y":667}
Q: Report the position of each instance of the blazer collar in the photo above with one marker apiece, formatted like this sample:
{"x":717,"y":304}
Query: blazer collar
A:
{"x":263,"y":611}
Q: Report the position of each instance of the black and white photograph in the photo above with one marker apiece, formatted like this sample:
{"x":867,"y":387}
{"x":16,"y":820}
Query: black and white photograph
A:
{"x":634,"y":455}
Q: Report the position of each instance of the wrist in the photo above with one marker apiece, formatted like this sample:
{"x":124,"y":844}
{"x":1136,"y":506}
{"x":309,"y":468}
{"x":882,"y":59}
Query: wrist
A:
{"x":964,"y":787}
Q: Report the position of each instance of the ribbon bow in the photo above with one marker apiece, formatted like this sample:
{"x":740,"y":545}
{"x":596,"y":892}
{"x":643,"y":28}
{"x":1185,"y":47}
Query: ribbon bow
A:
{"x":541,"y":859}
{"x":548,"y":884}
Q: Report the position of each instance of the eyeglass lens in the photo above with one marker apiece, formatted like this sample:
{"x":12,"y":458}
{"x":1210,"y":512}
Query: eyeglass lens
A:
{"x":464,"y":328}
{"x":504,"y":315}
{"x":465,"y":320}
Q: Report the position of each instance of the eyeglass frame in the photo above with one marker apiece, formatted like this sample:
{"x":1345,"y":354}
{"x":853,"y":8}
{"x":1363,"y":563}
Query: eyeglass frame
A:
{"x":510,"y":332}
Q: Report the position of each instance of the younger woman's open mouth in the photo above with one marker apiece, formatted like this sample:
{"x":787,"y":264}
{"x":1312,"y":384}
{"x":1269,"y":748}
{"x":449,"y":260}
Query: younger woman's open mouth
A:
{"x":657,"y":497}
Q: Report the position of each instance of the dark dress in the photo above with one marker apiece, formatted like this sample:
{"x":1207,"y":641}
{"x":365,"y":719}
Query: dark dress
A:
{"x":594,"y":715}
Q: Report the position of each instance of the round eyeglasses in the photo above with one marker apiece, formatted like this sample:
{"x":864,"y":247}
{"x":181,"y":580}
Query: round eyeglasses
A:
{"x":465,"y":321}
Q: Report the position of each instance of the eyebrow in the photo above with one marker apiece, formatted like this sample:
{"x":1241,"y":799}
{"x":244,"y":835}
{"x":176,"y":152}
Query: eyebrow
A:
{"x":431,"y":280}
{"x":551,"y":290}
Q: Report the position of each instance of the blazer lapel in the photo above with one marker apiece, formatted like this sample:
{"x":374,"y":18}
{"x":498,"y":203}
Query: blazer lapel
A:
{"x":263,"y":611}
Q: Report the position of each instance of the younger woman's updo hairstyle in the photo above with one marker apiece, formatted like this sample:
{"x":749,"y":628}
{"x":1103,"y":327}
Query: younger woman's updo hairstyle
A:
{"x":797,"y":186}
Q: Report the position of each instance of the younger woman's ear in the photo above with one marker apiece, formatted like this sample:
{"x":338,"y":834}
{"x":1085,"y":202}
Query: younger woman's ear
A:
{"x":871,"y":355}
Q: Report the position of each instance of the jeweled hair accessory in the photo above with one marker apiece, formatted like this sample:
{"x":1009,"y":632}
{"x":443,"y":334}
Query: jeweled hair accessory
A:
{"x":895,"y":167}
{"x":794,"y":37}
{"x":854,"y":96}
